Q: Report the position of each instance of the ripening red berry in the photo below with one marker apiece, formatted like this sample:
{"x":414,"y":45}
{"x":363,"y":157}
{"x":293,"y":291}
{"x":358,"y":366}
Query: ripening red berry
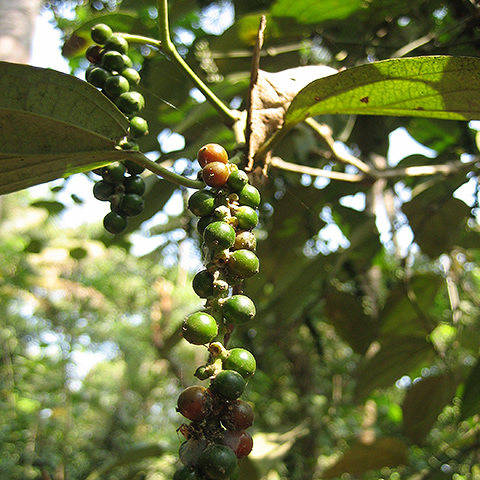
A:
{"x":212,"y":152}
{"x":215,"y":174}
{"x":238,"y":416}
{"x":240,"y":442}
{"x":195,"y":403}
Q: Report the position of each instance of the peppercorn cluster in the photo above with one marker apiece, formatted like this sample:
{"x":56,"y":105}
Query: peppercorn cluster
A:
{"x":217,"y":435}
{"x":111,"y":70}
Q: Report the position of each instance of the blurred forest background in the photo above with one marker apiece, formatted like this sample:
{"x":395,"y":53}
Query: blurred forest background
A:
{"x":367,"y":336}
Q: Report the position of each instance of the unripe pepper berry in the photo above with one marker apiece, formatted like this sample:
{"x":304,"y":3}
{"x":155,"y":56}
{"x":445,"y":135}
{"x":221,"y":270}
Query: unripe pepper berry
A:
{"x":229,"y":384}
{"x":219,"y":236}
{"x":199,"y":328}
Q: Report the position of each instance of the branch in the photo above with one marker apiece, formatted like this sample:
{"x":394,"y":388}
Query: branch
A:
{"x":169,"y":49}
{"x":253,"y":81}
{"x":447,"y":168}
{"x":394,"y":173}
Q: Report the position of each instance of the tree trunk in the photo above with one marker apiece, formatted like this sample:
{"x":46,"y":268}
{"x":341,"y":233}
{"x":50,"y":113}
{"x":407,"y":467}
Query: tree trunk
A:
{"x":17,"y":23}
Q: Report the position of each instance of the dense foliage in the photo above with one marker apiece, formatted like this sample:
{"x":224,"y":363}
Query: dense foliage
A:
{"x":367,"y":331}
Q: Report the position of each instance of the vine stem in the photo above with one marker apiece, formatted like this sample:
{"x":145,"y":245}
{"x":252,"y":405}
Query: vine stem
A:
{"x":140,"y":39}
{"x":169,"y":49}
{"x":161,"y":171}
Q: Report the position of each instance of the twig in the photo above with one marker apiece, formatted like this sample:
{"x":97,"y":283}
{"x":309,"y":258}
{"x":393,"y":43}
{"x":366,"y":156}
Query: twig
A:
{"x":325,"y":132}
{"x":316,"y":172}
{"x":419,"y":42}
{"x":169,"y":49}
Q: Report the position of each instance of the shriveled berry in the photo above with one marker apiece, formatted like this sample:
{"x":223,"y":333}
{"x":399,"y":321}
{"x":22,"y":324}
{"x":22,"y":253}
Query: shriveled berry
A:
{"x":212,"y":152}
{"x":245,"y":240}
{"x":250,"y":196}
{"x":113,"y":60}
{"x":130,"y":103}
{"x":94,"y":54}
{"x":243,"y":263}
{"x":237,"y":180}
{"x":202,"y":203}
{"x":219,"y":236}
{"x":215,"y":174}
{"x":202,"y":284}
{"x":103,"y":190}
{"x":238,"y":416}
{"x":247,"y":217}
{"x":242,"y":361}
{"x":116,"y":43}
{"x":238,"y":309}
{"x":115,"y":223}
{"x":229,"y":384}
{"x":101,"y":33}
{"x":240,"y":442}
{"x":195,"y":403}
{"x":217,"y":462}
{"x":199,"y":328}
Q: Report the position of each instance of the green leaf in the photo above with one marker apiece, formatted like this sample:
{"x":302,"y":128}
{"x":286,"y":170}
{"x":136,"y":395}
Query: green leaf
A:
{"x":313,"y":11}
{"x":53,"y":207}
{"x":52,"y":125}
{"x":397,"y":357}
{"x":437,"y":219}
{"x":433,"y":86}
{"x":435,"y":134}
{"x":471,"y":394}
{"x":128,"y":457}
{"x":424,"y":401}
{"x":345,"y":313}
{"x":384,"y":452}
{"x":400,"y":316}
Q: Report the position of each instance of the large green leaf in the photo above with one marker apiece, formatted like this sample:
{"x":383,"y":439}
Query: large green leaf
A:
{"x":52,"y":125}
{"x":383,"y":452}
{"x":346,"y":314}
{"x":397,"y":357}
{"x":313,"y":11}
{"x":433,"y":86}
{"x":437,"y":219}
{"x":404,"y":315}
{"x":471,"y":394}
{"x":424,"y":401}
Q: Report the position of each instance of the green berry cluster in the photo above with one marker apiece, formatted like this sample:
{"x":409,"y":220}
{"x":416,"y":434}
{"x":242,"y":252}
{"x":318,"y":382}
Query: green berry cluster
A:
{"x":217,"y":435}
{"x":111,"y":70}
